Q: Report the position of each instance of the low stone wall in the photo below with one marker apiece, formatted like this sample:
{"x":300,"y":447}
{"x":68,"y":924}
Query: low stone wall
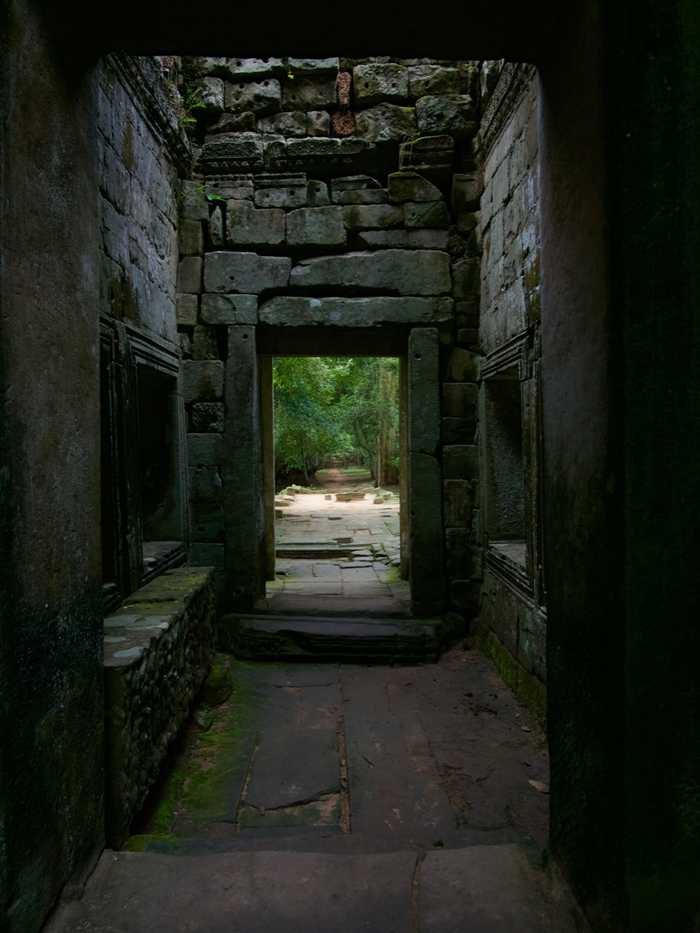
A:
{"x":157,"y":652}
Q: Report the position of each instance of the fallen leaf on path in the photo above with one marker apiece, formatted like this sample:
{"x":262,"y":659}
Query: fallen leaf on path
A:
{"x":539,"y":786}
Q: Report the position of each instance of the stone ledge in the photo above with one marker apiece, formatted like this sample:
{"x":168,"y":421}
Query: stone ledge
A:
{"x":157,"y":651}
{"x":296,"y":311}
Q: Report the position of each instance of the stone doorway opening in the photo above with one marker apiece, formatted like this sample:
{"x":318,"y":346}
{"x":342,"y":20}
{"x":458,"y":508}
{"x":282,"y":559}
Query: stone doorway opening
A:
{"x":334,"y":541}
{"x":249,"y":467}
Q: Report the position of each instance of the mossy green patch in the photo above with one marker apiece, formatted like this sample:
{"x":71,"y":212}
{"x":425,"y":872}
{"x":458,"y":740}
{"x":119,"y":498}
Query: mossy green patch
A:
{"x":144,"y":841}
{"x":531,"y":691}
{"x":392,"y":575}
{"x":205,"y":780}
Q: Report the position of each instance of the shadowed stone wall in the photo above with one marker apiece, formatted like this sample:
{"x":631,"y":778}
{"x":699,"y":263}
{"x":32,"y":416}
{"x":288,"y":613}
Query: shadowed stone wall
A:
{"x":513,"y":616}
{"x":51,"y":696}
{"x":141,"y":151}
{"x":299,"y":218}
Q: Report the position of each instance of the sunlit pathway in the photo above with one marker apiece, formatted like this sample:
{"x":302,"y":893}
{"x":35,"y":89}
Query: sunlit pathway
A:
{"x":338,"y":556}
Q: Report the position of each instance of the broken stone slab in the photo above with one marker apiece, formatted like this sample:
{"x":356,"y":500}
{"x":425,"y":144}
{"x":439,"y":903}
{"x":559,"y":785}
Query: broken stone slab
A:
{"x":229,"y":152}
{"x":246,"y":273}
{"x":318,"y":123}
{"x":316,"y":227}
{"x":353,"y":183}
{"x":452,"y":114}
{"x":368,"y":196}
{"x":357,"y":189}
{"x":403,"y":272}
{"x":372,"y":216}
{"x":211,"y":91}
{"x":254,"y":227}
{"x":237,"y":187}
{"x":230,"y":309}
{"x":234,"y":123}
{"x":426,"y":80}
{"x":317,"y":193}
{"x":426,"y":214}
{"x":252,"y":67}
{"x":373,"y":83}
{"x":309,"y":93}
{"x":411,"y":186}
{"x":427,"y":154}
{"x":186,"y":307}
{"x":259,"y":97}
{"x":313,"y":66}
{"x":289,"y":310}
{"x":402,"y":239}
{"x":189,"y":275}
{"x":202,"y":380}
{"x":386,"y":123}
{"x":288,"y":123}
{"x":279,"y":189}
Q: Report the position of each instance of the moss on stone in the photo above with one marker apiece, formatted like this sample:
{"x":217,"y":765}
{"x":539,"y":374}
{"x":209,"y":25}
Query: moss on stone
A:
{"x":199,"y":785}
{"x":531,"y":691}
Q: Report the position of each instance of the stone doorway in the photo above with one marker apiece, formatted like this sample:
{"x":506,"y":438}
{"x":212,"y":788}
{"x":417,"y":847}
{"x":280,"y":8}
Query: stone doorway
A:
{"x":248,"y":440}
{"x":333,"y":505}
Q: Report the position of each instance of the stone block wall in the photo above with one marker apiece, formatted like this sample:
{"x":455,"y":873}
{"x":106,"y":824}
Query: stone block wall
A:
{"x":318,"y":203}
{"x":513,"y":608}
{"x":157,"y":653}
{"x":141,"y":151}
{"x":320,"y":115}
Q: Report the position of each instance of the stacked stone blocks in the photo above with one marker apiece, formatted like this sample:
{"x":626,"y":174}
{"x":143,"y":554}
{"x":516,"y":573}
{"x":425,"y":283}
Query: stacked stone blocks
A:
{"x":282,"y":248}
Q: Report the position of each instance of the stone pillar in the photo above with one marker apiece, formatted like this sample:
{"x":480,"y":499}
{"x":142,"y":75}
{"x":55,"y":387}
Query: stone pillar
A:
{"x":243,"y":518}
{"x":404,"y":473}
{"x":425,"y":476}
{"x":267,"y":431}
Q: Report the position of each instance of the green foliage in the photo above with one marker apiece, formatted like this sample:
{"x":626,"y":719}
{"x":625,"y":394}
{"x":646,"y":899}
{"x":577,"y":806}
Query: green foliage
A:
{"x":336,"y":408}
{"x":191,"y":102}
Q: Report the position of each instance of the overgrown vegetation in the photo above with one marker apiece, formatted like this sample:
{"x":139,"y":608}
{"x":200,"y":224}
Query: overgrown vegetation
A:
{"x":337,"y":411}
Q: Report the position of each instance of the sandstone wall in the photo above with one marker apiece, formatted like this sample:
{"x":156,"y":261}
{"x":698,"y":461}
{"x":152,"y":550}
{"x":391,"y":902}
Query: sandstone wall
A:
{"x":140,"y":151}
{"x":338,"y":195}
{"x":513,"y":615}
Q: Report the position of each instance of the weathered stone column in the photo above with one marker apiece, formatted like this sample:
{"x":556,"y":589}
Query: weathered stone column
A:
{"x":243,"y":514}
{"x":267,"y":430}
{"x":404,"y":472}
{"x":425,"y":476}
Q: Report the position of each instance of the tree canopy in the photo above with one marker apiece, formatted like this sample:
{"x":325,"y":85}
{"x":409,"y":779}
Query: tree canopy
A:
{"x":337,"y":409}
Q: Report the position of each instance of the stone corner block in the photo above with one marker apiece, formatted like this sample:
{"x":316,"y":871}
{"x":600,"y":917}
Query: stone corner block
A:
{"x":246,"y":273}
{"x":316,"y":226}
{"x":202,"y":380}
{"x":409,"y":185}
{"x":229,"y":309}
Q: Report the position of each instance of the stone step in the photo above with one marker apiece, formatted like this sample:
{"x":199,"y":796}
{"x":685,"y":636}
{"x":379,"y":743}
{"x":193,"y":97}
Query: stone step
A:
{"x":360,"y":640}
{"x":323,"y":551}
{"x":481,"y":889}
